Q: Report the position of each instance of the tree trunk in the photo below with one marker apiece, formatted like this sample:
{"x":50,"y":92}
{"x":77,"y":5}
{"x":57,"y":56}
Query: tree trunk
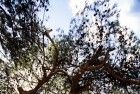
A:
{"x":74,"y":92}
{"x":75,"y":89}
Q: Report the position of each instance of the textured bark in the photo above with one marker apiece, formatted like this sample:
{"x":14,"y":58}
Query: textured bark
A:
{"x":119,"y":75}
{"x":74,"y":90}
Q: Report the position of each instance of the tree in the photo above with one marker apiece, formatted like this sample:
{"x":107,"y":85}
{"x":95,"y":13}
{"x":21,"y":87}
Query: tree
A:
{"x":21,"y":31}
{"x":108,"y":52}
{"x":98,"y":55}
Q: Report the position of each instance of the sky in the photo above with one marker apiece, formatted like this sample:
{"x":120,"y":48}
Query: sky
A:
{"x":130,"y":14}
{"x":61,"y":12}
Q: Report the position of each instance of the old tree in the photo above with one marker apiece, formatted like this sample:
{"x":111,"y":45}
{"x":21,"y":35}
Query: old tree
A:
{"x":97,"y":55}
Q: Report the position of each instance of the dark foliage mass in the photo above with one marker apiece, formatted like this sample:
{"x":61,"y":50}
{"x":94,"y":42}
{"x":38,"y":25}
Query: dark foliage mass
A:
{"x":20,"y":25}
{"x":97,"y":55}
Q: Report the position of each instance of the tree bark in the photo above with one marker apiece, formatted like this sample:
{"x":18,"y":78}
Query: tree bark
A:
{"x":74,"y":92}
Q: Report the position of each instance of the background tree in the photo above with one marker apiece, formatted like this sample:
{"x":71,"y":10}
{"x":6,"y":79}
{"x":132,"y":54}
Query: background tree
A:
{"x":21,"y":43}
{"x":98,"y":55}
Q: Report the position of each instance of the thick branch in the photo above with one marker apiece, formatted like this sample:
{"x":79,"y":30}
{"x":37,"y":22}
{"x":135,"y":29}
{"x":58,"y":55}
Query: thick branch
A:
{"x":40,"y":83}
{"x":119,"y":76}
{"x":88,"y":66}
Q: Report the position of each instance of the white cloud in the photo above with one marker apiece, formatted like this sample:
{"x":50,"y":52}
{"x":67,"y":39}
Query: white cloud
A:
{"x":127,"y":16}
{"x":76,"y":5}
{"x":125,"y":5}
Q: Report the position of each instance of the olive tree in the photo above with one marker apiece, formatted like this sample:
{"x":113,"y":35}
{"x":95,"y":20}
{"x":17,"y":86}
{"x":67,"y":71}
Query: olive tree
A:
{"x":97,"y":55}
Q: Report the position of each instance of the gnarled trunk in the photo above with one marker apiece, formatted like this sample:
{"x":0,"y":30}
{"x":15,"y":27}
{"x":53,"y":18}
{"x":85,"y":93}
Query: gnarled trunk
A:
{"x":75,"y":89}
{"x":74,"y":92}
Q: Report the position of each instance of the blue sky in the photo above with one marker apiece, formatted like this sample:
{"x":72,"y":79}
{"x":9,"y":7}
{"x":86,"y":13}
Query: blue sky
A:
{"x":61,"y":12}
{"x":136,"y":7}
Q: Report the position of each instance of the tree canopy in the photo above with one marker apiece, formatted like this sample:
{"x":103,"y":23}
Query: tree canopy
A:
{"x":97,"y":55}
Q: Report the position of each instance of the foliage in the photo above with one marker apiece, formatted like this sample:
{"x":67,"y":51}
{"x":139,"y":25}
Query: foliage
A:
{"x":108,"y":52}
{"x":98,"y":55}
{"x":20,"y":35}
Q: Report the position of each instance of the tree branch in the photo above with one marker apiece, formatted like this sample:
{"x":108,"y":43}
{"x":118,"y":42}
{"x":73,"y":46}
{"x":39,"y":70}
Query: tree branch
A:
{"x":119,"y":76}
{"x":40,"y":83}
